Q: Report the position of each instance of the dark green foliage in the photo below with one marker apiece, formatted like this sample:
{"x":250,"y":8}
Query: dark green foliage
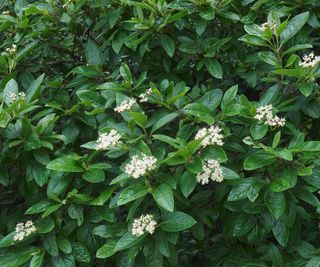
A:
{"x":66,"y":64}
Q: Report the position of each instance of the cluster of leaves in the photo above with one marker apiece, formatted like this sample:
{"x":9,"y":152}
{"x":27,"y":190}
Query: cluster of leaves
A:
{"x":208,"y":63}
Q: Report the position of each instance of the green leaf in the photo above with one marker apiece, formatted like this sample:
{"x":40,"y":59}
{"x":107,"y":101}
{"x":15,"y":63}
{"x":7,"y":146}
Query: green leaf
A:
{"x":10,"y":89}
{"x":187,"y":183}
{"x":211,"y":99}
{"x":289,"y":72}
{"x":167,"y":44}
{"x":246,"y":188}
{"x":40,"y":174}
{"x":199,"y":110}
{"x":93,"y":53}
{"x":4,"y":118}
{"x":162,"y":194}
{"x":80,"y":252}
{"x":163,"y":121}
{"x":139,"y":118}
{"x":50,"y":244}
{"x":306,"y":88}
{"x":64,"y":245}
{"x":229,"y":96}
{"x":63,"y":261}
{"x":269,"y":58}
{"x":51,"y":209}
{"x":107,"y":250}
{"x":33,"y":91}
{"x":275,"y":255}
{"x":195,"y":166}
{"x":176,"y":221}
{"x":281,"y":233}
{"x":275,"y":202}
{"x":167,"y":139}
{"x":37,"y":259}
{"x":94,"y":176}
{"x":7,"y":241}
{"x":131,"y":193}
{"x":57,"y":185}
{"x":258,"y":131}
{"x":65,"y":164}
{"x":314,"y":262}
{"x":16,"y":257}
{"x":243,"y":224}
{"x":258,"y":159}
{"x":214,"y":67}
{"x":297,"y":48}
{"x":253,"y":40}
{"x":304,"y":194}
{"x":45,"y":225}
{"x":126,"y":73}
{"x":215,"y":152}
{"x":285,"y":180}
{"x":229,"y":174}
{"x":293,"y":27}
{"x":314,"y":178}
{"x":127,"y":241}
{"x":207,"y":13}
{"x":276,"y":139}
{"x":38,"y":207}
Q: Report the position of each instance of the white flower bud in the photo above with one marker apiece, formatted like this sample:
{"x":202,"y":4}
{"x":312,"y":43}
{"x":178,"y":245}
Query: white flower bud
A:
{"x":107,"y":140}
{"x":125,"y":105}
{"x":140,"y":165}
{"x":211,"y":170}
{"x":264,"y":114}
{"x":211,"y":136}
{"x":144,"y":224}
{"x":23,"y":230}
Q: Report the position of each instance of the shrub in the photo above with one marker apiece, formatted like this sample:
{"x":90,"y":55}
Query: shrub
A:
{"x":154,"y":133}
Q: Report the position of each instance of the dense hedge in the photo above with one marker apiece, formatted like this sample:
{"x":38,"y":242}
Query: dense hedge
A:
{"x":159,"y":133}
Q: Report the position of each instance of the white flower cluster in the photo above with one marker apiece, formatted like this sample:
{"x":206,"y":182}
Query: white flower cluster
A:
{"x":5,"y":12}
{"x":15,"y":97}
{"x":271,"y":25}
{"x":144,"y":224}
{"x":12,"y":49}
{"x":140,"y":165}
{"x":23,"y":230}
{"x":125,"y":105}
{"x":107,"y":140}
{"x":66,"y":4}
{"x":211,"y":170}
{"x":144,"y":97}
{"x":309,"y":61}
{"x":211,"y":136}
{"x":264,"y":113}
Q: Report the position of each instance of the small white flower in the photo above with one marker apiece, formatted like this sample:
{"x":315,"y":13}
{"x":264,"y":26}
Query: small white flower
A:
{"x":107,"y":140}
{"x":6,"y":12}
{"x":271,"y":25}
{"x":14,"y":97}
{"x":275,"y":121}
{"x":264,"y":114}
{"x":144,"y":224}
{"x":211,"y":169}
{"x":24,"y":230}
{"x":140,"y":165}
{"x":12,"y":50}
{"x":22,"y":95}
{"x":125,"y":105}
{"x":309,"y":61}
{"x":211,"y":136}
{"x":66,"y":4}
{"x":144,"y":97}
